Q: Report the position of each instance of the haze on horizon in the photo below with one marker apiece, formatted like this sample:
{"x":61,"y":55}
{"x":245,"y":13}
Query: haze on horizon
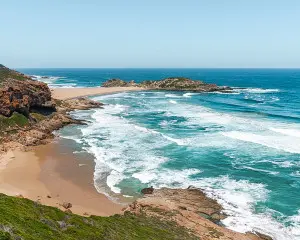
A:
{"x":192,"y":33}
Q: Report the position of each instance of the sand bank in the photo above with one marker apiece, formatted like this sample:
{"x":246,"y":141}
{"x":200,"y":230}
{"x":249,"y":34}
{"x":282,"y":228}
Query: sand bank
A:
{"x":67,"y":93}
{"x":51,"y":175}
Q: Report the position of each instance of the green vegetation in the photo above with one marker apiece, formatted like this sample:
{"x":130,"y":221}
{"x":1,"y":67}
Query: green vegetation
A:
{"x":24,"y":219}
{"x":6,"y":73}
{"x":37,"y":116}
{"x":16,"y":120}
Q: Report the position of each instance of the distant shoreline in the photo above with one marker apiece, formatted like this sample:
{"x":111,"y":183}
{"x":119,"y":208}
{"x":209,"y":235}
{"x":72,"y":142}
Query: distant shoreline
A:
{"x":69,"y":93}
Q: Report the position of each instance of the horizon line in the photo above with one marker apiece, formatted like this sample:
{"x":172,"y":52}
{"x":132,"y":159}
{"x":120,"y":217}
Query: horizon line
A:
{"x":296,"y":68}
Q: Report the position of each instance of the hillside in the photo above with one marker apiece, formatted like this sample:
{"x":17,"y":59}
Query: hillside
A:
{"x":24,"y":219}
{"x":7,"y":75}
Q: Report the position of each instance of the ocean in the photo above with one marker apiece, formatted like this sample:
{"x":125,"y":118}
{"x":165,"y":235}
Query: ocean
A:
{"x":241,"y":148}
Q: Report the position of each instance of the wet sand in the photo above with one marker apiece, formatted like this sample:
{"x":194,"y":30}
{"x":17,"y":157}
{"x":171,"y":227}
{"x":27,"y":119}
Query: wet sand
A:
{"x":67,"y":93}
{"x":52,"y":174}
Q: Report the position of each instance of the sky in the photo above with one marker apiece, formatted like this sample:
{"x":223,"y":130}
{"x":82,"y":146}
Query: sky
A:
{"x":150,"y":34}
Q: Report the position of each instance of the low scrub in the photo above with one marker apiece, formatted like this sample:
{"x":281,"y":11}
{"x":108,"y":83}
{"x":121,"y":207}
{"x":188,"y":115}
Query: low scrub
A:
{"x":24,"y":219}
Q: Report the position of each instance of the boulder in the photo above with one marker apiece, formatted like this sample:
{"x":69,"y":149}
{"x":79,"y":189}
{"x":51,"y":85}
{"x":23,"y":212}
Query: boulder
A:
{"x":67,"y":205}
{"x":147,"y":190}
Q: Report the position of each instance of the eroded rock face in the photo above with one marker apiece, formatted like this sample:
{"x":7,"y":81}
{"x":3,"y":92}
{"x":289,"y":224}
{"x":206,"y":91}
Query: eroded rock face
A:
{"x":189,"y":208}
{"x":170,"y":84}
{"x":18,"y":93}
{"x":42,"y":131}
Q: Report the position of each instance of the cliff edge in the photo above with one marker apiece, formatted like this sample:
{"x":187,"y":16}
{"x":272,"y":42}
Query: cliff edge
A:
{"x":19,"y":93}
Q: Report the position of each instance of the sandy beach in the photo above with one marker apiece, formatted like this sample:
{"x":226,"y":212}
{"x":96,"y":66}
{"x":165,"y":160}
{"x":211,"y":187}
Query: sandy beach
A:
{"x":67,"y":93}
{"x":51,"y":175}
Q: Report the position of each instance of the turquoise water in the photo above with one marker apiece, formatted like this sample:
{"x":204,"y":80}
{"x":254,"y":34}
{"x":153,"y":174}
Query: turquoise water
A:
{"x":242,"y":148}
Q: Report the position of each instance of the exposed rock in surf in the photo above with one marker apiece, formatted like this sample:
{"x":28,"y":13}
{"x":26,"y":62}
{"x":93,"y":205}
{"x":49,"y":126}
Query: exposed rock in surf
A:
{"x":147,"y":190}
{"x":170,"y":84}
{"x":189,"y":208}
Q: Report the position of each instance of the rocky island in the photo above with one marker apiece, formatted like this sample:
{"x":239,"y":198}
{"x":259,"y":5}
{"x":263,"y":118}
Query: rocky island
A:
{"x":28,"y":116}
{"x":170,"y":84}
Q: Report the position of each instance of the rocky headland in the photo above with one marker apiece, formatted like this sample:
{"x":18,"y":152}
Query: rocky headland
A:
{"x":28,"y":113}
{"x":170,"y":84}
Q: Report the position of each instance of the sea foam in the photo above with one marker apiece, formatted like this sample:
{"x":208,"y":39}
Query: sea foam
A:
{"x":128,"y":150}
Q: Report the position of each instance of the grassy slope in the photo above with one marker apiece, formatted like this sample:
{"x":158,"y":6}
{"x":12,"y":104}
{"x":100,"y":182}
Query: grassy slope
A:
{"x":29,"y":220}
{"x":16,"y":120}
{"x":6,"y":73}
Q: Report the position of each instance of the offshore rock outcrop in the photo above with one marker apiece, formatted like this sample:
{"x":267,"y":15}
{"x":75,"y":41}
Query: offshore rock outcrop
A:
{"x":19,"y":93}
{"x":189,"y":208}
{"x":170,"y":84}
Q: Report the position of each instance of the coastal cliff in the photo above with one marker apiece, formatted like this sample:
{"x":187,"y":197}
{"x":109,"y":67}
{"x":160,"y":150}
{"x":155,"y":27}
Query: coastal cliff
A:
{"x":19,"y":93}
{"x":170,"y":84}
{"x":28,"y":113}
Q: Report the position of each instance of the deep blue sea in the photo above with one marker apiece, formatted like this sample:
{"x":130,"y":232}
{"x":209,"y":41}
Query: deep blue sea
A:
{"x":242,"y":148}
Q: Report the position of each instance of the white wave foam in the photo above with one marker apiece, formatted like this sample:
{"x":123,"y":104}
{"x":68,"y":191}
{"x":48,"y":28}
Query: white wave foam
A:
{"x":179,"y":142}
{"x":188,"y":95}
{"x":173,"y":96}
{"x":238,"y":199}
{"x":172,"y":101}
{"x":108,"y":96}
{"x":165,"y":177}
{"x":225,"y":93}
{"x":283,"y":164}
{"x":295,"y":225}
{"x":74,"y":138}
{"x":255,"y":90}
{"x":280,"y":143}
{"x":261,"y":170}
{"x":287,"y":131}
{"x":46,"y":78}
{"x":125,"y":148}
{"x":295,"y":174}
{"x":146,"y":130}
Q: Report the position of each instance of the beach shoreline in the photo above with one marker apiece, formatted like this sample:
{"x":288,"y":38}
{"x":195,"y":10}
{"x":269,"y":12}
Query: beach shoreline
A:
{"x":53,"y":175}
{"x":69,"y":93}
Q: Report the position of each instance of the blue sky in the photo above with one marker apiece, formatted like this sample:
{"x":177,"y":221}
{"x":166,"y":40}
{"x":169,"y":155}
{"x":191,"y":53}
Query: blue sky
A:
{"x":156,"y":33}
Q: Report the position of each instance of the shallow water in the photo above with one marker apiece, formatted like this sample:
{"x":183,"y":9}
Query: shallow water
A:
{"x":241,"y":148}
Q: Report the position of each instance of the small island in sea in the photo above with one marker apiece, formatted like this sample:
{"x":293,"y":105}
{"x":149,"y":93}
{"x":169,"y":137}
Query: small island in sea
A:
{"x":37,"y":201}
